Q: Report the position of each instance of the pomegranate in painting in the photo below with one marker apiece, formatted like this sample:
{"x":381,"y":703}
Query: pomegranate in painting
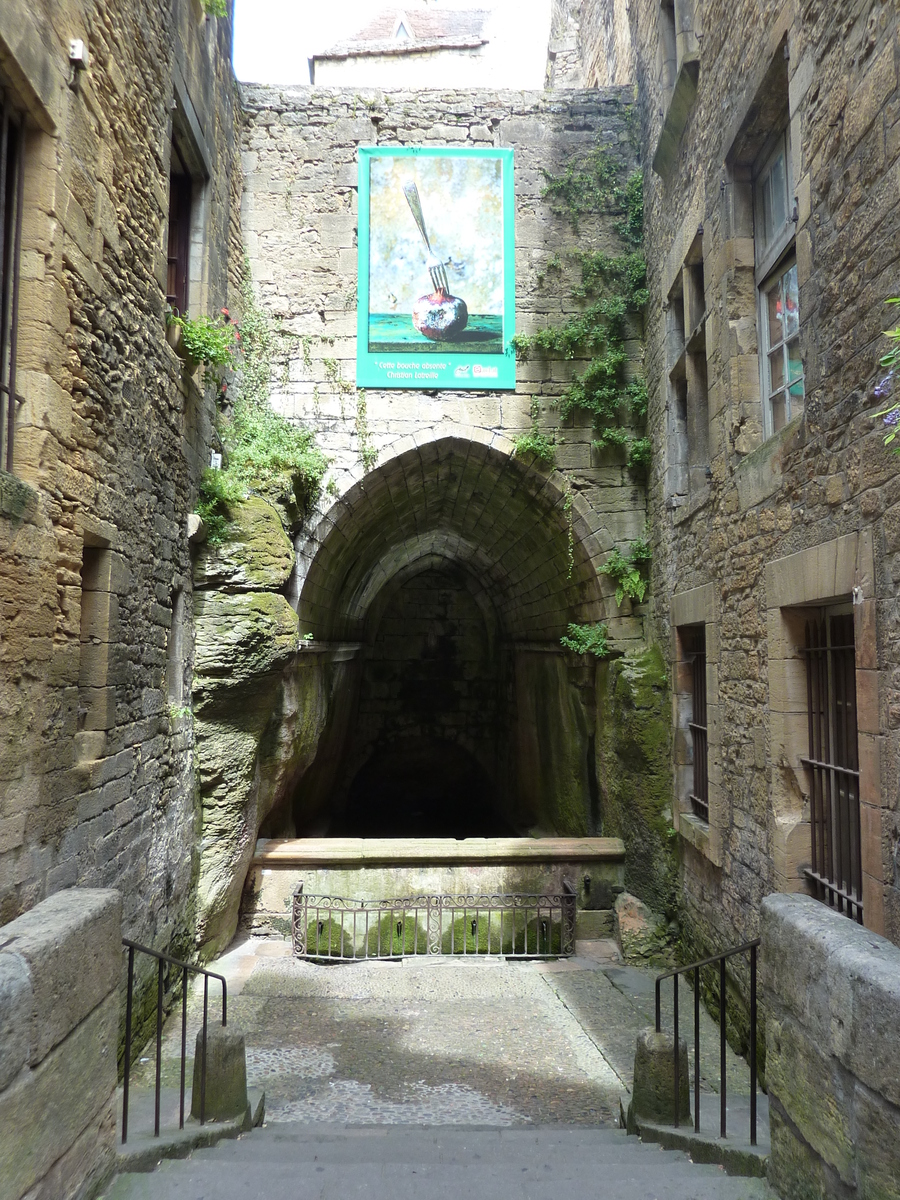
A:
{"x":440,"y":316}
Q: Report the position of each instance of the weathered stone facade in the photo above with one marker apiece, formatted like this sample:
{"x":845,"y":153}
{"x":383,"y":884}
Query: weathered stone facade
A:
{"x":97,"y":773}
{"x":449,"y":536}
{"x":756,"y":531}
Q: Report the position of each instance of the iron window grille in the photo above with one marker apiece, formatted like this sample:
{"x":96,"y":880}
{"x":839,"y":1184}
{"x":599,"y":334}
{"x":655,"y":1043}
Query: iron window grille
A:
{"x":833,"y":764}
{"x":695,"y":647}
{"x":11,"y":203}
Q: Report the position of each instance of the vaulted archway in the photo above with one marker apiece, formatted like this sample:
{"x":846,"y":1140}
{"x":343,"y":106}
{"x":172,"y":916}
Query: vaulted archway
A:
{"x":454,"y":568}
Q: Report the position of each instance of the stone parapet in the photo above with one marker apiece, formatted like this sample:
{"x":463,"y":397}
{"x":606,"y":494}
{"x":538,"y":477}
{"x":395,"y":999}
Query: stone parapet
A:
{"x":59,"y":1025}
{"x":831,"y":992}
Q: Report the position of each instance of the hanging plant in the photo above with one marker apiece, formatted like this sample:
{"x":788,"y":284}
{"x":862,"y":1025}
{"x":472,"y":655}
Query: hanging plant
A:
{"x":885,"y":386}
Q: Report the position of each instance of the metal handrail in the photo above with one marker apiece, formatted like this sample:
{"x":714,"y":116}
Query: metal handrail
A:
{"x":752,"y":946}
{"x":185,"y":968}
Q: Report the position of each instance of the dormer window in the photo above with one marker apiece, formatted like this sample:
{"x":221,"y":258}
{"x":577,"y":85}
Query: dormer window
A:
{"x":401,"y":33}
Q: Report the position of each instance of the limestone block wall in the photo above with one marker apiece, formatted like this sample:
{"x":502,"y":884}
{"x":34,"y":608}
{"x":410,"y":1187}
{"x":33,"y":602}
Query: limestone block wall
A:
{"x":96,"y":752}
{"x":607,"y":54}
{"x":425,"y":496}
{"x":60,"y":965}
{"x":751,"y":530}
{"x":299,"y":222}
{"x":831,"y":992}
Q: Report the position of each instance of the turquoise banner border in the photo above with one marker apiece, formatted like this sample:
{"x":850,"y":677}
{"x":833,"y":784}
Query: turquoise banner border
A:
{"x":432,"y":372}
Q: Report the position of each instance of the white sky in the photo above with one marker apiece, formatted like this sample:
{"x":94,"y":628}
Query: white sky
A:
{"x":274,"y":38}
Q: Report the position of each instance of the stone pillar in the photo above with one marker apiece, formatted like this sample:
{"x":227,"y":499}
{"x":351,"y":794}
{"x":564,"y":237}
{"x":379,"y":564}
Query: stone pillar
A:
{"x":653,"y":1097}
{"x":226,"y":1074}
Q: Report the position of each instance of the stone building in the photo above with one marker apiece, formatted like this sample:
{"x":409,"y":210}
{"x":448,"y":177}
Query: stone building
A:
{"x":430,"y":589}
{"x":118,"y":189}
{"x":771,"y":141}
{"x":454,"y":44}
{"x":165,"y":704}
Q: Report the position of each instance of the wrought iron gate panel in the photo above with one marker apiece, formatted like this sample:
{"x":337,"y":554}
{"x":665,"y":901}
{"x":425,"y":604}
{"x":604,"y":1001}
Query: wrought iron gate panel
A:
{"x":513,"y":925}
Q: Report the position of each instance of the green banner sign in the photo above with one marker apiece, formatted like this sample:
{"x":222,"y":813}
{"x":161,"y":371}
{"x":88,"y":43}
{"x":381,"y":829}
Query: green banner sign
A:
{"x":436,"y":288}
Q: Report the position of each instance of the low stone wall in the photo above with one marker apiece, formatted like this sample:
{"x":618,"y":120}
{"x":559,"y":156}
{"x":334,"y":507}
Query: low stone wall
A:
{"x":831,"y":991}
{"x":375,"y":869}
{"x":59,"y":1024}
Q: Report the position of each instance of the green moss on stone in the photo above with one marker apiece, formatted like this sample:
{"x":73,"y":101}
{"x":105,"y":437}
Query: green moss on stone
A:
{"x":256,"y":554}
{"x":394,"y":936}
{"x":634,"y":772}
{"x":462,"y":939}
{"x":328,"y":939}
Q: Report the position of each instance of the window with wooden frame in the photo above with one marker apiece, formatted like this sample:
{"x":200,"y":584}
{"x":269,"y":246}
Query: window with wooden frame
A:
{"x":833,"y":761}
{"x":11,"y":204}
{"x":179,"y":234}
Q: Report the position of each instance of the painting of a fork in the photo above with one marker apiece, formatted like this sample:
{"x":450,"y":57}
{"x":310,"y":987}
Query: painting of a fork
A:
{"x":434,"y":264}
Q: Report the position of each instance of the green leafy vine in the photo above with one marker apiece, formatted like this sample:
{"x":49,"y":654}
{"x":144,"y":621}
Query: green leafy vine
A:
{"x":264,"y":452}
{"x":535,"y":443}
{"x":587,"y":639}
{"x":629,"y":570}
{"x":614,"y":287}
{"x":368,"y":455}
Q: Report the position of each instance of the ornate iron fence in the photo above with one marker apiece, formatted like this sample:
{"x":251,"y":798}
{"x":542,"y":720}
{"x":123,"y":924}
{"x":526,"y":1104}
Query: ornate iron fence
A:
{"x":515,"y":926}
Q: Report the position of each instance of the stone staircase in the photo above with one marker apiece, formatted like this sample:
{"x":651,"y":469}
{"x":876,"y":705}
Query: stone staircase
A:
{"x":395,"y":1162}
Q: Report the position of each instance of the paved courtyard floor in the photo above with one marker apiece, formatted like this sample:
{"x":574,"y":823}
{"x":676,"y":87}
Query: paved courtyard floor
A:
{"x":437,"y":1041}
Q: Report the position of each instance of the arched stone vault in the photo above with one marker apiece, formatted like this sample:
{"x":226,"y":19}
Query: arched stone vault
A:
{"x":465,"y":501}
{"x":447,"y":501}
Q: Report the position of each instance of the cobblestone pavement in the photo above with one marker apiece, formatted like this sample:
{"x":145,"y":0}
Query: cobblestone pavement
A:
{"x":432,"y":1041}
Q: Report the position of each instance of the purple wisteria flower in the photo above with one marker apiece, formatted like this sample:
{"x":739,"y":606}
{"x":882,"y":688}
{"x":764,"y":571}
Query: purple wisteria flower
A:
{"x":892,"y":417}
{"x":885,"y":386}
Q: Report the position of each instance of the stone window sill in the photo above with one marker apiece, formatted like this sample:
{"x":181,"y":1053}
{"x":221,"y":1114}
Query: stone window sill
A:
{"x":695,"y":831}
{"x":680,"y":103}
{"x":758,"y":475}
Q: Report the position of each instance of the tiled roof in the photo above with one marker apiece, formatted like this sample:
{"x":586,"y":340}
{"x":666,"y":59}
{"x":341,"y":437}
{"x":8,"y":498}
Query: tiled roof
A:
{"x":427,"y":28}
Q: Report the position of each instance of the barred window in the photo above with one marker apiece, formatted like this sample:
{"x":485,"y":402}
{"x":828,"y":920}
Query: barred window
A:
{"x":694,"y":639}
{"x":833,"y":763}
{"x":11,"y":191}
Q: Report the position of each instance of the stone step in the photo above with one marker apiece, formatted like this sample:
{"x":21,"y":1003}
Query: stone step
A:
{"x":426,"y":1148}
{"x":319,"y":1162}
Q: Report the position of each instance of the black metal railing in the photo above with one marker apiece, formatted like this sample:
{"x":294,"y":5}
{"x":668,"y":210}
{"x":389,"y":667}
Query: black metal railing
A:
{"x":515,"y":926}
{"x":695,"y":968}
{"x":186,"y":968}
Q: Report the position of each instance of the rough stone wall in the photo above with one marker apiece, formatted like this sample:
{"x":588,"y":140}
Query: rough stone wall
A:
{"x":60,"y":965}
{"x":823,"y":489}
{"x":607,"y":55}
{"x":832,"y":999}
{"x":564,"y":67}
{"x":96,"y":773}
{"x":299,"y":220}
{"x":446,"y":488}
